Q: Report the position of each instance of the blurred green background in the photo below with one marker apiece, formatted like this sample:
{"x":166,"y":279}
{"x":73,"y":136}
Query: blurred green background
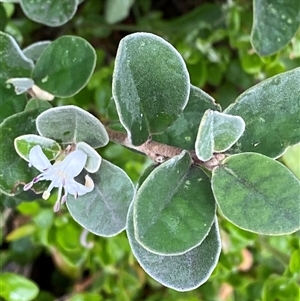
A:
{"x":41,"y":255}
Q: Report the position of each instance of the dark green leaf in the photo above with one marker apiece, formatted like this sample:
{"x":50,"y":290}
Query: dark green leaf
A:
{"x":17,"y":288}
{"x":3,"y":18}
{"x":65,"y":66}
{"x":257,"y":194}
{"x":13,"y":64}
{"x":15,"y":170}
{"x":274,"y":24}
{"x":182,"y":272}
{"x":51,"y":13}
{"x":71,"y":124}
{"x":174,"y":207}
{"x":182,"y":133}
{"x":103,"y":211}
{"x":271,"y":111}
{"x":150,"y":85}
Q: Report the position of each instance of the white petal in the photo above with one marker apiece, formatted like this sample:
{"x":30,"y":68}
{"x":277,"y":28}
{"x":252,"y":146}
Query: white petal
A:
{"x":76,"y":188}
{"x":74,"y":163}
{"x":38,"y":159}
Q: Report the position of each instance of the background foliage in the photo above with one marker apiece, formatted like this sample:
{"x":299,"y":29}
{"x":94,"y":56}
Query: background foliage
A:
{"x":41,"y":257}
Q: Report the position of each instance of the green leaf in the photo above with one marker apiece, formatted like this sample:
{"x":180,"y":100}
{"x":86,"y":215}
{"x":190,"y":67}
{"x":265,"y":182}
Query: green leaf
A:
{"x":13,"y":64}
{"x":294,"y":264}
{"x":150,"y":85}
{"x":35,"y":50}
{"x":23,"y":144}
{"x":182,"y":133}
{"x":71,"y":124}
{"x":66,"y":58}
{"x":103,"y":211}
{"x":217,"y":133}
{"x":51,"y":13}
{"x":93,"y":158}
{"x":257,"y":194}
{"x":117,"y":10}
{"x":14,"y":169}
{"x":20,"y":232}
{"x":181,"y":272}
{"x":34,"y":103}
{"x":271,"y":111}
{"x":3,"y":18}
{"x":173,"y":216}
{"x":17,"y":288}
{"x":291,"y":159}
{"x":274,"y":24}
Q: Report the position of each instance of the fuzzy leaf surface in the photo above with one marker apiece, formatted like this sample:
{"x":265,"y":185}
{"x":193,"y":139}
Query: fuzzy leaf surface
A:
{"x":271,"y":111}
{"x":258,"y":194}
{"x":183,"y":132}
{"x":174,"y":207}
{"x":71,"y":124}
{"x":150,"y":85}
{"x":274,"y":24}
{"x":103,"y":211}
{"x":65,"y":66}
{"x":180,"y":272}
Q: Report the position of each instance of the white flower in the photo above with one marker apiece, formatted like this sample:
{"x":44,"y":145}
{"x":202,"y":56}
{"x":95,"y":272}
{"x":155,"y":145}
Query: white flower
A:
{"x":61,"y":174}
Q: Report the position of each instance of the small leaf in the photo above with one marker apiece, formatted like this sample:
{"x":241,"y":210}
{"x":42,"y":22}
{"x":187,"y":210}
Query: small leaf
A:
{"x":103,"y":211}
{"x":23,"y":144}
{"x":174,"y":216}
{"x":257,"y":194}
{"x":274,"y":24}
{"x":21,"y":84}
{"x":150,"y":85}
{"x":181,"y":272}
{"x":51,"y":13}
{"x":182,"y":133}
{"x":117,"y":10}
{"x":217,"y":133}
{"x":93,"y":158}
{"x":271,"y":111}
{"x":17,"y":288}
{"x":291,"y":159}
{"x":3,"y":18}
{"x":66,"y":58}
{"x":14,"y":169}
{"x":35,"y":50}
{"x":34,"y":103}
{"x":71,"y":124}
{"x":20,"y":232}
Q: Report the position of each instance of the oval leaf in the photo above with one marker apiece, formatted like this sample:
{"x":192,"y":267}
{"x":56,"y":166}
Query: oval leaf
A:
{"x":23,"y":144}
{"x":257,"y":194}
{"x":217,"y":133}
{"x":14,"y":169}
{"x":182,"y":272}
{"x":17,"y":288}
{"x":103,"y":211}
{"x":173,"y":216}
{"x":271,"y":111}
{"x":93,"y":158}
{"x":117,"y":10}
{"x":71,"y":124}
{"x":150,"y":85}
{"x":183,"y":132}
{"x":274,"y":24}
{"x":13,"y":64}
{"x":51,"y":13}
{"x":66,"y":58}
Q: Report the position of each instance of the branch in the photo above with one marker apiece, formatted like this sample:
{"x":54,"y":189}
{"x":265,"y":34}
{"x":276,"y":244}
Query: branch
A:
{"x":160,"y":152}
